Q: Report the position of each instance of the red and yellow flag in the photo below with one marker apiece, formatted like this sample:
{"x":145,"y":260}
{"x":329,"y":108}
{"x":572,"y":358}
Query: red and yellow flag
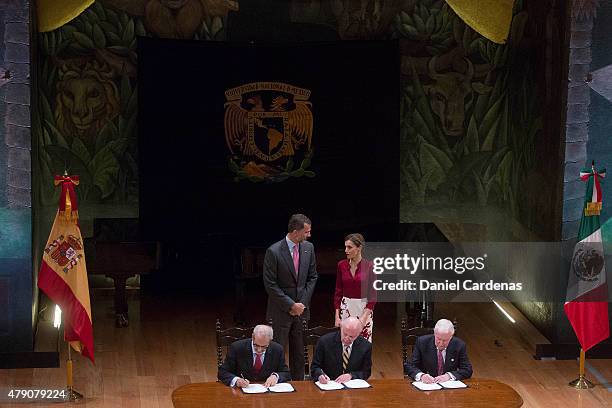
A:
{"x":63,"y":273}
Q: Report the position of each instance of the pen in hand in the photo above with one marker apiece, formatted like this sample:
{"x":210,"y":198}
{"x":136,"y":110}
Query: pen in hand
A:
{"x":244,"y":382}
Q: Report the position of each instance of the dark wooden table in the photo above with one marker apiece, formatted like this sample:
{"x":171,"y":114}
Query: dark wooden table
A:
{"x":384,"y":393}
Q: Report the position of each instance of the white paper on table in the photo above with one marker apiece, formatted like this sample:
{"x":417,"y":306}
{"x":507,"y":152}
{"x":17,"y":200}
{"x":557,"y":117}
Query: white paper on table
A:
{"x":357,"y":383}
{"x":282,"y":387}
{"x":331,"y":385}
{"x":427,"y":387}
{"x":254,"y":389}
{"x":453,"y":384}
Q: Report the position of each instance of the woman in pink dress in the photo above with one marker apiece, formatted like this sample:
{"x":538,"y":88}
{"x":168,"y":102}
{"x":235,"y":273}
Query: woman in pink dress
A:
{"x":354,"y":295}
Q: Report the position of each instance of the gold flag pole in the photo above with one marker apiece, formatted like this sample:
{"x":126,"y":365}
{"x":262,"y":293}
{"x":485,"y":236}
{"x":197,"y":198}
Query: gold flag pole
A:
{"x":71,"y":394}
{"x":581,"y":383}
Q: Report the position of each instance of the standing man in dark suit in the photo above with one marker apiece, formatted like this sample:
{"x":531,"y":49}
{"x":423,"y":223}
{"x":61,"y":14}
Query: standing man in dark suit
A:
{"x":439,"y":357}
{"x":289,"y":276}
{"x":343,"y":355}
{"x":255,"y":359}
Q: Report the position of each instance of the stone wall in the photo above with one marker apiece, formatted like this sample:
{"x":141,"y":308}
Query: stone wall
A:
{"x":580,"y":144}
{"x":16,"y":281}
{"x":577,"y":124}
{"x":17,"y":131}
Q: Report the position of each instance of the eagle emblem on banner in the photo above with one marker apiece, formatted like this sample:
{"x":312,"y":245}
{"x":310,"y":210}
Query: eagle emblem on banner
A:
{"x":268,"y":129}
{"x":65,"y":252}
{"x":588,"y":260}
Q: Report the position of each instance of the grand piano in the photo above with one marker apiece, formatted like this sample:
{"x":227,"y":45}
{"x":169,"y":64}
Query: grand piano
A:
{"x":117,"y":251}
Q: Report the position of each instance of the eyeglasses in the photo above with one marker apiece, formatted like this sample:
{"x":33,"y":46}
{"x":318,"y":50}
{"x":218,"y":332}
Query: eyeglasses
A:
{"x":257,"y":346}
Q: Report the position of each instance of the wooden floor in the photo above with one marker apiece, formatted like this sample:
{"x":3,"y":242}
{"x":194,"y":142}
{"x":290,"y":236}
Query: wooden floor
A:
{"x":170,"y":342}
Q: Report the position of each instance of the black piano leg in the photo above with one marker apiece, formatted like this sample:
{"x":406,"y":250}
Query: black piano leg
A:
{"x":121,"y":307}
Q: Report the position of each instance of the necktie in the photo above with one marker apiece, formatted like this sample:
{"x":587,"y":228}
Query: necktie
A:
{"x":257,"y":365}
{"x":345,"y":358}
{"x":440,"y":363}
{"x":296,"y":258}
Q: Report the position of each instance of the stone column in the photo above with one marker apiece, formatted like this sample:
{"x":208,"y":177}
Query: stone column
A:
{"x":16,"y":331}
{"x":17,"y":129}
{"x":576,"y":138}
{"x":577,"y":124}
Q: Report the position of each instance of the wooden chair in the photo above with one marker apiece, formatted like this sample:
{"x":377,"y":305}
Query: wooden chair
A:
{"x":225,"y":337}
{"x":311,"y":336}
{"x":420,"y":313}
{"x":409,"y":338}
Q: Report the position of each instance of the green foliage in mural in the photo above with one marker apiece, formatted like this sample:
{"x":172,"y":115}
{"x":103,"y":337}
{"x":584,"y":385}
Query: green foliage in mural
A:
{"x":429,"y":23}
{"x":258,"y":173}
{"x":468,"y":106}
{"x":212,"y":29}
{"x":88,"y":95}
{"x":468,"y":114}
{"x":88,"y":104}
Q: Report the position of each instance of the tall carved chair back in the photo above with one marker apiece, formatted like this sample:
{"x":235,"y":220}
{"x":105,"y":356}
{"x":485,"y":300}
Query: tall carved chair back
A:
{"x":225,"y":337}
{"x":409,"y":338}
{"x":311,"y":336}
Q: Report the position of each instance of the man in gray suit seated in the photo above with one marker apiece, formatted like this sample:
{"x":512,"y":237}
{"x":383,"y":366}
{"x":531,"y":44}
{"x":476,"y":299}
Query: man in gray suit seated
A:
{"x":257,"y":359}
{"x":289,"y":276}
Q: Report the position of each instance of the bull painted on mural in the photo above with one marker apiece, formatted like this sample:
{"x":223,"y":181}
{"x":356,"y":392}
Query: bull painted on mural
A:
{"x":448,"y":93}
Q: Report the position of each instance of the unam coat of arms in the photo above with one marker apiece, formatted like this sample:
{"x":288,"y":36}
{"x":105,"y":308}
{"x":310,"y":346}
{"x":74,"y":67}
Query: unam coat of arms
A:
{"x":268,"y":128}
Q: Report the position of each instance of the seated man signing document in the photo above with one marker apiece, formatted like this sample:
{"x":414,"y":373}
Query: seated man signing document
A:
{"x":439,"y":357}
{"x":257,"y":359}
{"x":342,"y":356}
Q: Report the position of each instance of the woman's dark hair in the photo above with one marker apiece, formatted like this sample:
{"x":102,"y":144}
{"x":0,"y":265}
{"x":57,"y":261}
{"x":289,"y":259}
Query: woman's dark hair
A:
{"x":356,"y":239}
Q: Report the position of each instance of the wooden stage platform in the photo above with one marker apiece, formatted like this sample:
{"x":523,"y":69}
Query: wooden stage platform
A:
{"x":171,"y":342}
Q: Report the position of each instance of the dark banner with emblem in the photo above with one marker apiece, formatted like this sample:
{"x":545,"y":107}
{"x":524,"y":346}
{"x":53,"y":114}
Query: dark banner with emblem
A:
{"x":234,"y":138}
{"x":267,"y":124}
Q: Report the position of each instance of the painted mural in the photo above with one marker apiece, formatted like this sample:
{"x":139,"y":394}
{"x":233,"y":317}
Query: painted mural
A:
{"x":469,"y":111}
{"x":88,"y":100}
{"x":469,"y":117}
{"x":470,"y":114}
{"x":88,"y":106}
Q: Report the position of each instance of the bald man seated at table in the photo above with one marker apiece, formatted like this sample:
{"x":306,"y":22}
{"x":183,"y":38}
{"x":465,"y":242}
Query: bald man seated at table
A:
{"x":258,"y":359}
{"x":439,"y":357}
{"x":343,"y":355}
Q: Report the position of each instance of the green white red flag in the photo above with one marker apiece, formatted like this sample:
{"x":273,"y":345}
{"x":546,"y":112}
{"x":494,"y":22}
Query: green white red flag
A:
{"x":586,"y":302}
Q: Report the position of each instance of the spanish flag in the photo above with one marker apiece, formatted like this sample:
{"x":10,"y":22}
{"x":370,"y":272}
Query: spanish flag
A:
{"x":63,"y":273}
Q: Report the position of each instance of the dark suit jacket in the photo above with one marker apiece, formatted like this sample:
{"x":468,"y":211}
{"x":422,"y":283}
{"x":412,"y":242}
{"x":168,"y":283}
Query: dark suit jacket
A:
{"x":280,"y":282}
{"x":239,"y":361}
{"x":425,"y":358}
{"x":328,"y":358}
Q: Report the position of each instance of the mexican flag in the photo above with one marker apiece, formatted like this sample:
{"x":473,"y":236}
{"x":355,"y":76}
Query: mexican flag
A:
{"x":586,"y":304}
{"x":63,"y":273}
